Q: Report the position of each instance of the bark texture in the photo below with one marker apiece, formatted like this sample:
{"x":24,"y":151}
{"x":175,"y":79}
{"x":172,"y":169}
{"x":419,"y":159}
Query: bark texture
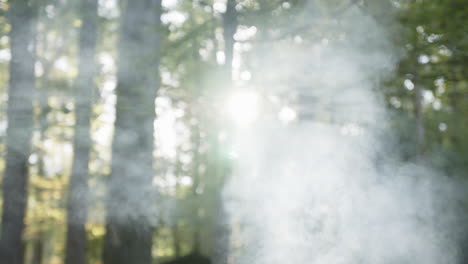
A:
{"x":84,"y":88}
{"x":20,"y":124}
{"x":130,"y":200}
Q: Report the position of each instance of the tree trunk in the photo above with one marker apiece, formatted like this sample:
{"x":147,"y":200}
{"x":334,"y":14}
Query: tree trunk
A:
{"x":196,"y":184}
{"x":20,"y":122}
{"x":175,"y":228}
{"x":176,"y":235}
{"x":78,"y":191}
{"x":130,"y":197}
{"x":222,"y":228}
{"x":230,"y":23}
{"x":38,"y":249}
{"x":419,"y":120}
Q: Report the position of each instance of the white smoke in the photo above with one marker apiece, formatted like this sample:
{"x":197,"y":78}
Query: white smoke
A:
{"x":329,"y":190}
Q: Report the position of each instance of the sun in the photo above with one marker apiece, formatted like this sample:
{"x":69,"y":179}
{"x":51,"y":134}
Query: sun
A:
{"x":243,"y":107}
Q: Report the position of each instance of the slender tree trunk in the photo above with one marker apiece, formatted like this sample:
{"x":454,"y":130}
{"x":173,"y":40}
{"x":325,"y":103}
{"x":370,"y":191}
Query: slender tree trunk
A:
{"x":222,"y":229}
{"x":176,"y":235}
{"x":196,"y":185}
{"x":84,"y":88}
{"x":38,"y":249}
{"x":20,"y":123}
{"x":130,"y":197}
{"x":419,"y":119}
{"x":230,"y":23}
{"x":176,"y":228}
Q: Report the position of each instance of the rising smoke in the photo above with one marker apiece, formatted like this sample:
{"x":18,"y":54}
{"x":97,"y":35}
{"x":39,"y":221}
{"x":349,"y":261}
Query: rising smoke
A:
{"x":331,"y":189}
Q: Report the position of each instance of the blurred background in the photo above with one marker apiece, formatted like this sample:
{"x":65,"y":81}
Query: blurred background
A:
{"x":123,"y":123}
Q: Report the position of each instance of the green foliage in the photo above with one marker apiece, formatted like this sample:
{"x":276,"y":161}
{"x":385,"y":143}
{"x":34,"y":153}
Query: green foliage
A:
{"x":429,"y":37}
{"x":434,"y":43}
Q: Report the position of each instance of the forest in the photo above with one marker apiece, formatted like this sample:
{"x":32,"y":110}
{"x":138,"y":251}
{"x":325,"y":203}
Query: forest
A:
{"x":233,"y":131}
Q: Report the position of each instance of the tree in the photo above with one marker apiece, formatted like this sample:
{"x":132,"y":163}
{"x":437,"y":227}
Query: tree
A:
{"x":20,"y":124}
{"x":130,"y":222}
{"x":230,"y":23}
{"x":78,"y":191}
